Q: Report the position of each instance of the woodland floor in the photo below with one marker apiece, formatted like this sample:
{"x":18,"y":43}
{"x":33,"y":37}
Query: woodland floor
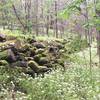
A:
{"x":77,"y":81}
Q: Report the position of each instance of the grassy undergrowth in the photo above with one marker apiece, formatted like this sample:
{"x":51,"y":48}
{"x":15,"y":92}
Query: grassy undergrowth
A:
{"x":19,"y":34}
{"x":74,"y":84}
{"x":77,"y":83}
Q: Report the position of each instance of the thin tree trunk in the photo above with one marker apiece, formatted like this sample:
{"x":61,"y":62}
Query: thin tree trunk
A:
{"x":18,"y":17}
{"x":89,"y":37}
{"x":56,"y":20}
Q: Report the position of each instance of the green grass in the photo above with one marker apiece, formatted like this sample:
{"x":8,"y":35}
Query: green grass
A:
{"x":83,"y":57}
{"x":77,"y":83}
{"x":19,"y":34}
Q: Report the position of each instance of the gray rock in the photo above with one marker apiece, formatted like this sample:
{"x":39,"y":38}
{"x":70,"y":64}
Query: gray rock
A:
{"x":39,"y":45}
{"x":2,"y":37}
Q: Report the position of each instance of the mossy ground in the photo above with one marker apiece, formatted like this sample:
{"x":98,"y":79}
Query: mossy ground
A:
{"x":76,"y":83}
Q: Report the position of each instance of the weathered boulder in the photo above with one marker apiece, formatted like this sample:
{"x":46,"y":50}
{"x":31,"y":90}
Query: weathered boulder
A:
{"x":44,"y":54}
{"x":36,"y":68}
{"x":2,"y":37}
{"x":32,"y":51}
{"x":43,"y":60}
{"x":53,"y":49}
{"x":3,"y":63}
{"x":31,"y":40}
{"x":39,"y":51}
{"x":28,"y":58}
{"x":25,"y":48}
{"x":14,"y":50}
{"x":19,"y":64}
{"x":39,"y":45}
{"x":37,"y":57}
{"x":59,"y":46}
{"x":28,"y":54}
{"x":8,"y":55}
{"x":43,"y":69}
{"x":20,"y":56}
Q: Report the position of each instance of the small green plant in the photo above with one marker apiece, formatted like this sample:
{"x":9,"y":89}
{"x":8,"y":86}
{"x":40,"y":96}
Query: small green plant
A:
{"x":78,"y":44}
{"x":74,"y":84}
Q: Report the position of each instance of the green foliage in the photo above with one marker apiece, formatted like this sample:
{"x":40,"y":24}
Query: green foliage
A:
{"x":74,"y":84}
{"x":76,"y":45}
{"x":70,"y":9}
{"x":97,"y":19}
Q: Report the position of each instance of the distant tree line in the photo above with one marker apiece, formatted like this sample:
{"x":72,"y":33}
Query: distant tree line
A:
{"x":51,"y":17}
{"x":37,"y":16}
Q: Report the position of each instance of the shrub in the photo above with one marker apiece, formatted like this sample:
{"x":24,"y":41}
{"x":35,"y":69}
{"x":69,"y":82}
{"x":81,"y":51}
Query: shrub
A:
{"x":75,"y":84}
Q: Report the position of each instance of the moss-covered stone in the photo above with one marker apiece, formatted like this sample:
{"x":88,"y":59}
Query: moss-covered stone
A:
{"x":2,"y":37}
{"x":44,"y":54}
{"x":19,"y":64}
{"x":60,"y":46}
{"x":8,"y":55}
{"x":43,"y":69}
{"x":28,"y":53}
{"x":28,"y":58}
{"x":39,"y":45}
{"x":37,"y":57}
{"x":36,"y":68}
{"x":32,"y":51}
{"x":20,"y":56}
{"x":3,"y":63}
{"x":39,"y":51}
{"x":31,"y":39}
{"x":33,"y":65}
{"x":25,"y":48}
{"x":43,"y":60}
{"x":53,"y":49}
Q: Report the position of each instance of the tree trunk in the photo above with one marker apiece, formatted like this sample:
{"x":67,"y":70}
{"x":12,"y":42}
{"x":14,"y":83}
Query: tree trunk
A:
{"x":56,"y":20}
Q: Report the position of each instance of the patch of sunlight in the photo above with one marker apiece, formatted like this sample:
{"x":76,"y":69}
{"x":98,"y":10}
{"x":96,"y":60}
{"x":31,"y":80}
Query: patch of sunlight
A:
{"x":15,"y":33}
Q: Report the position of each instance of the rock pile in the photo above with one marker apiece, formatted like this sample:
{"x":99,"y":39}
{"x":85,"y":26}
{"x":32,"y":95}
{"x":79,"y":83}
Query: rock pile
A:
{"x":39,"y":56}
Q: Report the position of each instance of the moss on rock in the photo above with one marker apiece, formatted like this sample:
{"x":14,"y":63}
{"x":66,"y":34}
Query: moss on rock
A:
{"x":39,"y":45}
{"x":37,"y":57}
{"x":3,"y":63}
{"x":36,"y":68}
{"x":28,"y":58}
{"x":8,"y":55}
{"x":39,"y":51}
{"x":33,"y":65}
{"x":32,"y":51}
{"x":43,"y":60}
